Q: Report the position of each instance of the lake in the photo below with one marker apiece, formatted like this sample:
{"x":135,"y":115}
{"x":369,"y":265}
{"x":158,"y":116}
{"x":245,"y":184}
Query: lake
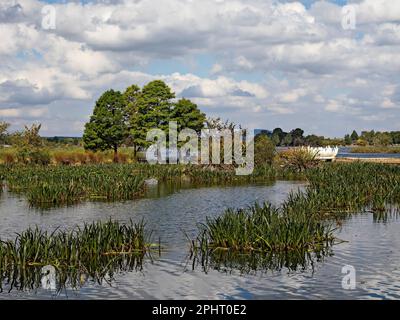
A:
{"x":170,"y":211}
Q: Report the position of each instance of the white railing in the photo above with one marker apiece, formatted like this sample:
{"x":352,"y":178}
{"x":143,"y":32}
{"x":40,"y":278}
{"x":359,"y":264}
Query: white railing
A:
{"x":323,"y":153}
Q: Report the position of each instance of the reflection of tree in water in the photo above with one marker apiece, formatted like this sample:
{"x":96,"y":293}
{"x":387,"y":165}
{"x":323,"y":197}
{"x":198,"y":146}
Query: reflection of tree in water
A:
{"x":100,"y":270}
{"x":245,"y":263}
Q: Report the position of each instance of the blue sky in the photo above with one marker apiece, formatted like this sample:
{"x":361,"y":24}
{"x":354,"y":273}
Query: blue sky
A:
{"x":261,"y":63}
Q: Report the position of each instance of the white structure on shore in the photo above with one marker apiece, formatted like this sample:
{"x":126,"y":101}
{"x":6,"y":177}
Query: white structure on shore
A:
{"x":324,"y":153}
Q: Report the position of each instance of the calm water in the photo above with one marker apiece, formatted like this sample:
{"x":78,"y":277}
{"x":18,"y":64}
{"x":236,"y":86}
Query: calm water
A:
{"x":344,"y":152}
{"x":372,"y":248}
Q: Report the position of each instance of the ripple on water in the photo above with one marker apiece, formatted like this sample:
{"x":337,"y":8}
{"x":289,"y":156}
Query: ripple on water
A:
{"x":372,"y":248}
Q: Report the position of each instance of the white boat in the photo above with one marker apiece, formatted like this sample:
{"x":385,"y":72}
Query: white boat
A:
{"x":324,"y":153}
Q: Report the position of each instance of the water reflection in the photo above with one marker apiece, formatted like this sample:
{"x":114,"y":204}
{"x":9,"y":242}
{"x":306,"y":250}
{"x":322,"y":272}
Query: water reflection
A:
{"x":246,"y":263}
{"x":57,"y":278}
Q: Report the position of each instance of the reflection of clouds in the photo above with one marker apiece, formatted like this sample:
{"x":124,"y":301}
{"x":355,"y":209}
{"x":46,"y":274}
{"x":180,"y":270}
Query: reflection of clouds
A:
{"x":373,"y":249}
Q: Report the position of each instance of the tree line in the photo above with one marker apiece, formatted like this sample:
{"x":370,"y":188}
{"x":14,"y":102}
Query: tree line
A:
{"x":373,"y":138}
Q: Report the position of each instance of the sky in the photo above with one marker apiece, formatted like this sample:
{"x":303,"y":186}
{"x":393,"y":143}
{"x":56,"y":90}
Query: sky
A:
{"x":261,"y":63}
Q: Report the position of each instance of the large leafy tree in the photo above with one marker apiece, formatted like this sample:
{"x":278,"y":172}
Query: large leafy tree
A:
{"x":106,"y":128}
{"x":131,"y":97}
{"x":154,"y":107}
{"x":187,"y":115}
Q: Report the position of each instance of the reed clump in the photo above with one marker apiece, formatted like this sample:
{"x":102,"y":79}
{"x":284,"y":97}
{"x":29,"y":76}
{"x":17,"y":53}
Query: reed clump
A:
{"x":58,"y":185}
{"x":305,"y":220}
{"x":350,"y":188}
{"x":93,"y":250}
{"x":263,"y":229}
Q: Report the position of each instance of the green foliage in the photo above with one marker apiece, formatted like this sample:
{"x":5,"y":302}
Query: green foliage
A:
{"x":264,"y":150}
{"x":287,"y":140}
{"x":107,"y":128}
{"x":59,"y":185}
{"x":298,"y":159}
{"x":304,"y":220}
{"x":95,"y":250}
{"x":352,"y":187}
{"x":347,"y":140}
{"x":154,"y":106}
{"x":354,"y":136}
{"x":188,"y":115}
{"x":264,"y":228}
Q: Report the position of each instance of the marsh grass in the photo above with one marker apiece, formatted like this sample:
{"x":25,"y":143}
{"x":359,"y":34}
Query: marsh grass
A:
{"x":95,"y":251}
{"x":351,"y":188}
{"x":49,"y":186}
{"x":263,"y":229}
{"x":306,"y":220}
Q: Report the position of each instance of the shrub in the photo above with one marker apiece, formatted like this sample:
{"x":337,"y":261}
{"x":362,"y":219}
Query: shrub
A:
{"x":297,"y":159}
{"x":264,"y":150}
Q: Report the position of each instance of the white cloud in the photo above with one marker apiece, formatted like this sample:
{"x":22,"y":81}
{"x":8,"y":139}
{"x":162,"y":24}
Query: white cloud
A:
{"x":270,"y":62}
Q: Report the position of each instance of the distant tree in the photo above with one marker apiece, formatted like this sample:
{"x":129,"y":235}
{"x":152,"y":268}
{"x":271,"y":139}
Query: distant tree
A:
{"x":348,"y":140}
{"x":354,"y":136}
{"x":106,"y":128}
{"x":297,"y":136}
{"x":277,"y":136}
{"x":314,"y":140}
{"x":382,"y":139}
{"x":368,"y":136}
{"x":395,"y":137}
{"x":276,"y":139}
{"x":287,"y":140}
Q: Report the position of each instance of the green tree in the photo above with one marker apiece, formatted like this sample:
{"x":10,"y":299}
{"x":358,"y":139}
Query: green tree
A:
{"x":347,"y":140}
{"x":276,"y":139}
{"x":354,"y":136}
{"x":154,"y":108}
{"x":278,"y":132}
{"x":131,"y":97}
{"x":382,"y":139}
{"x":264,"y":150}
{"x":314,"y":140}
{"x":106,"y":128}
{"x":287,"y":140}
{"x":297,"y":136}
{"x":187,"y":115}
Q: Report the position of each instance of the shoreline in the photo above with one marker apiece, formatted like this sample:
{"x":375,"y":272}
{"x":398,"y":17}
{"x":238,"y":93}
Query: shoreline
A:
{"x":373,"y":160}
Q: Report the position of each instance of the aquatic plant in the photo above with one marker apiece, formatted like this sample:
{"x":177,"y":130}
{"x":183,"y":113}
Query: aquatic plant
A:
{"x":263,"y":229}
{"x":58,"y":185}
{"x":47,"y":186}
{"x":305,"y":220}
{"x":95,"y":250}
{"x":349,"y":188}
